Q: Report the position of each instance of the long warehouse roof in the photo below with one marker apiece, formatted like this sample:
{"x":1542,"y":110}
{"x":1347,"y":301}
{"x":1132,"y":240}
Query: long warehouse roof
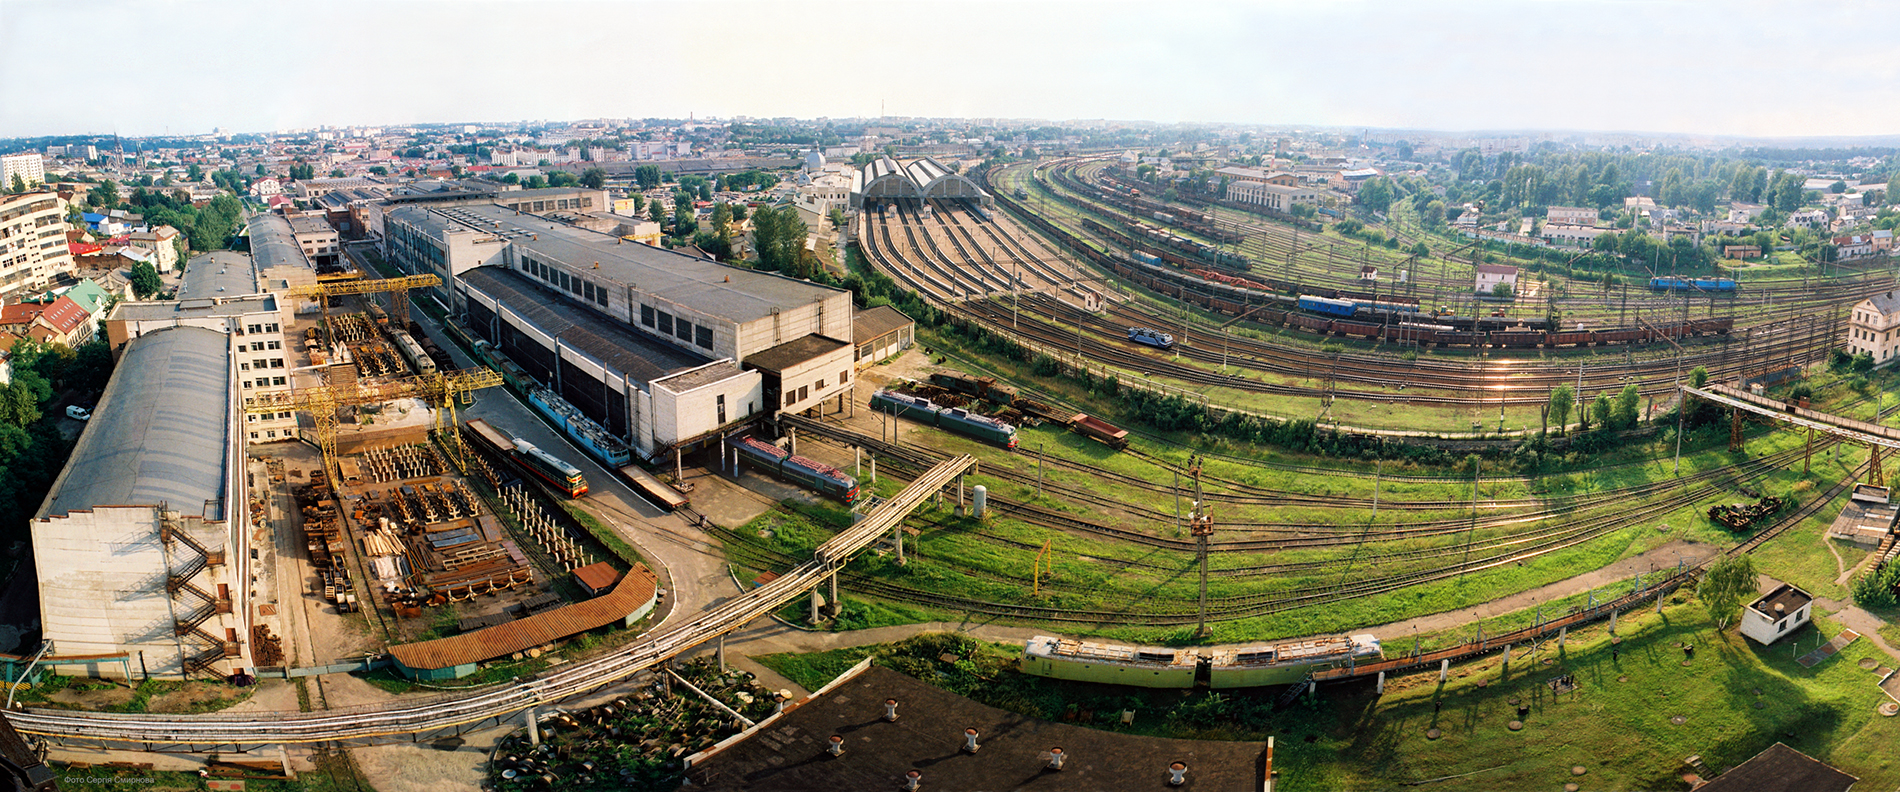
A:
{"x":613,"y":343}
{"x":734,"y":293}
{"x":159,"y":432}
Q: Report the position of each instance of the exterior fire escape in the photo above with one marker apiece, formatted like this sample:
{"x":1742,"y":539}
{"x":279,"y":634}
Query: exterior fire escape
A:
{"x":192,"y":606}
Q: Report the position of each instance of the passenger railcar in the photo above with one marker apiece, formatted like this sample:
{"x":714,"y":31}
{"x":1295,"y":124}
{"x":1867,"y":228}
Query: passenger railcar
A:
{"x":1328,"y":306}
{"x":1679,"y":283}
{"x":1151,"y":337}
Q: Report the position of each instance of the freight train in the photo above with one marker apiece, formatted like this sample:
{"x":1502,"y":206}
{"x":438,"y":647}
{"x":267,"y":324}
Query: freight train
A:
{"x":811,"y":474}
{"x":1160,"y":246}
{"x":1278,"y":663}
{"x":1265,"y":299}
{"x":950,"y":419}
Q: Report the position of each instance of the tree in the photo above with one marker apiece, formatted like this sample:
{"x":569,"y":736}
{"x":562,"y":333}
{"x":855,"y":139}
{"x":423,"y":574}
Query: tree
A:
{"x":1628,"y":406}
{"x":1729,"y":582}
{"x":705,"y":191}
{"x":19,"y":184}
{"x":1376,"y":194}
{"x":1698,"y":377}
{"x":639,"y":204}
{"x":594,"y":178}
{"x":1562,"y":398}
{"x":562,"y":179}
{"x":336,"y":173}
{"x":1878,"y":587}
{"x":195,"y":173}
{"x":104,"y":196}
{"x":1837,"y":187}
{"x":656,"y":211}
{"x":145,"y":281}
{"x":1603,"y":409}
{"x":648,"y":176}
{"x":303,"y":171}
{"x":1501,"y":291}
{"x":535,"y":182}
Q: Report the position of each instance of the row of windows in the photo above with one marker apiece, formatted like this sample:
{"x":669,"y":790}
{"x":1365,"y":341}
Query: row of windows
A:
{"x":261,"y":328}
{"x":793,"y":397}
{"x":255,"y":417}
{"x":259,"y":346}
{"x":560,"y":279}
{"x":261,"y":364}
{"x":266,"y":382}
{"x":678,"y":327}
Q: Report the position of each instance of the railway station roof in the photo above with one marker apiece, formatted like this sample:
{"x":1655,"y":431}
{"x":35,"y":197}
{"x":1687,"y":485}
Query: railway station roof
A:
{"x":884,"y":178}
{"x":615,"y":344}
{"x":635,"y":591}
{"x":788,"y":753}
{"x":159,"y":434}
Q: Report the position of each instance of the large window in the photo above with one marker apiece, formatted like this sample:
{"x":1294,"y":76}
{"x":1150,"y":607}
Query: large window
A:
{"x":666,"y":323}
{"x":703,"y":336}
{"x":683,"y":330}
{"x":646,"y":315}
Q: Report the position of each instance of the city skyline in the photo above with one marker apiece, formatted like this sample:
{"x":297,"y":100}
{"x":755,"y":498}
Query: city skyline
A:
{"x":1574,"y":65}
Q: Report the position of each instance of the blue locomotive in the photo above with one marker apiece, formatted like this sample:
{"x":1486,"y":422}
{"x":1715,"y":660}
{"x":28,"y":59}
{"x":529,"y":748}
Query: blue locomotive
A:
{"x":1153,"y":338}
{"x":950,"y":419}
{"x":767,"y":458}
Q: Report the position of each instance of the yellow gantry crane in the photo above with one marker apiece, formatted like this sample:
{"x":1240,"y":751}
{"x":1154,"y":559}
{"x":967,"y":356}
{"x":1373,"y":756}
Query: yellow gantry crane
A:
{"x":442,"y":391}
{"x":398,"y":306}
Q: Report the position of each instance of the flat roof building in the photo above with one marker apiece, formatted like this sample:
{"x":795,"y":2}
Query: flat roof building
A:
{"x":33,"y":250}
{"x":1775,"y":614}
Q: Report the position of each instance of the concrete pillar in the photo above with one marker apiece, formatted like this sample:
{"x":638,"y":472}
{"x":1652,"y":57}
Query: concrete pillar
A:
{"x":791,"y":439}
{"x":834,"y":589}
{"x":1444,"y":667}
{"x":1612,"y":622}
{"x":1562,"y":634}
{"x":1507,"y":658}
{"x":534,"y":728}
{"x":873,"y":468}
{"x":814,"y":604}
{"x":897,"y":535}
{"x":1381,"y":689}
{"x":721,"y":653}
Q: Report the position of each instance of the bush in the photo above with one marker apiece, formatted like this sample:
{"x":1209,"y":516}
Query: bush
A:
{"x":1877,"y":588}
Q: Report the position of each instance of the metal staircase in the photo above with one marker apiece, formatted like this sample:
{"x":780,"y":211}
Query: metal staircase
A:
{"x":185,"y":559}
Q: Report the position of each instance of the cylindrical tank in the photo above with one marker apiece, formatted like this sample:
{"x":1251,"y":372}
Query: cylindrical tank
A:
{"x":981,"y":503}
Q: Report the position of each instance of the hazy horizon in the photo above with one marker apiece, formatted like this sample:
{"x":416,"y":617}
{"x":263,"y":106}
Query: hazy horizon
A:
{"x":1731,"y":70}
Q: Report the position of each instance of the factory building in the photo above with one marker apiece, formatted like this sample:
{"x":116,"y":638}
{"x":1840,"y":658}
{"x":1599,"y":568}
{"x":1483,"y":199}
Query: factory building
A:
{"x":140,"y":546}
{"x":663,"y":350}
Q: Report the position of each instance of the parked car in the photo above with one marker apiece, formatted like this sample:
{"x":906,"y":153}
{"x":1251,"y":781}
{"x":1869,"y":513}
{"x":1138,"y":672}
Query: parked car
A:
{"x":78,"y":413}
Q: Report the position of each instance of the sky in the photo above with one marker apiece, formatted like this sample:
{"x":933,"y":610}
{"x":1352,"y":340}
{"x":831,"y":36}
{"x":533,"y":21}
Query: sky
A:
{"x":1724,"y":67}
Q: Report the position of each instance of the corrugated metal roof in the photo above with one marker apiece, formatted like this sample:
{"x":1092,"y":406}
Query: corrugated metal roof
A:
{"x":636,"y":589}
{"x":273,"y":244}
{"x":611,"y":342}
{"x":158,"y":434}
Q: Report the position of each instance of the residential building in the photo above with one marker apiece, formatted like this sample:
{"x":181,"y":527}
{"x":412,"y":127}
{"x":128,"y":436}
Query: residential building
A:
{"x":1490,"y":276}
{"x":1573,"y":235}
{"x":1873,"y":328}
{"x":60,"y":321}
{"x":162,"y":242}
{"x":29,"y":167}
{"x":266,"y":187}
{"x":33,"y":249}
{"x":1739,"y":212}
{"x":1882,"y":239}
{"x":1775,"y":614}
{"x":1741,"y":251}
{"x":1570,"y":215}
{"x":1812,"y":218}
{"x":1853,"y":246}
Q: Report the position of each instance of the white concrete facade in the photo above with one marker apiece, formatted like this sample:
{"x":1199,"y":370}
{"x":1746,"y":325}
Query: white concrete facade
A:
{"x":1776,"y":614}
{"x":689,"y":412}
{"x":33,"y":248}
{"x":1873,"y":328}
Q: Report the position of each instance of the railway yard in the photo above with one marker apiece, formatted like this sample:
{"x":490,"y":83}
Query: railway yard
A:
{"x":1386,"y":481}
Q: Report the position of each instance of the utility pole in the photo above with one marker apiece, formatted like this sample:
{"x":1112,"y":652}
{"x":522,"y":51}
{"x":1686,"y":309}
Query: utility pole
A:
{"x":1202,"y":526}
